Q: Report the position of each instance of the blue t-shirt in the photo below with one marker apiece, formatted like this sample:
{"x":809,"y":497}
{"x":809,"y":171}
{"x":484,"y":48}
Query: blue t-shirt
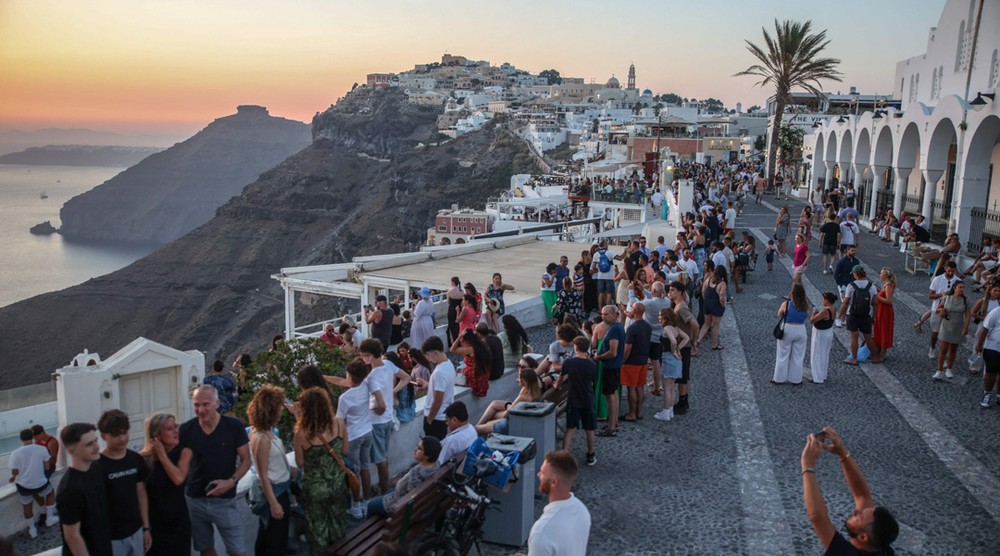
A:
{"x":225,"y":385}
{"x":561,"y":272}
{"x":616,"y":332}
{"x":214,"y":455}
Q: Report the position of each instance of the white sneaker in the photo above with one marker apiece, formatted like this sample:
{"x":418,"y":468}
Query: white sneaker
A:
{"x":931,"y":354}
{"x":938,"y":376}
{"x":948,"y":373}
{"x":824,"y":271}
{"x":32,"y":530}
{"x":838,"y":323}
{"x":355,"y":511}
{"x":662,"y":415}
{"x":670,"y":412}
{"x":986,"y":399}
{"x":51,"y":520}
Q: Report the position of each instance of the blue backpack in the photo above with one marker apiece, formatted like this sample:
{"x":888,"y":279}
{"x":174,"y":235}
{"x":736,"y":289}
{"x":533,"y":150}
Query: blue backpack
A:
{"x":603,"y":262}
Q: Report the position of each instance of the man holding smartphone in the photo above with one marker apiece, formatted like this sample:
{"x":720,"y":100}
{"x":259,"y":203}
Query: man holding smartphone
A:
{"x":871,"y":528}
{"x":211,"y":443}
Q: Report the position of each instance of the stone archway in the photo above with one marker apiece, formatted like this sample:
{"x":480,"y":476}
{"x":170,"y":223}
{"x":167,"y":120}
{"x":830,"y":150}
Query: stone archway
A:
{"x":845,"y":156}
{"x":818,"y":162}
{"x":444,"y":241}
{"x":938,"y":171}
{"x":459,"y":241}
{"x":882,"y":166}
{"x":909,"y":184}
{"x":831,"y":160}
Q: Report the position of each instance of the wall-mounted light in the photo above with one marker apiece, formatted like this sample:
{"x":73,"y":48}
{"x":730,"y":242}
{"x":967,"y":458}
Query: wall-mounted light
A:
{"x":980,"y":102}
{"x":841,"y":120}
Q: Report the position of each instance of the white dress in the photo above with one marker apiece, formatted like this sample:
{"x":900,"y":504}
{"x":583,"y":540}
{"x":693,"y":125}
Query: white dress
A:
{"x":423,"y":323}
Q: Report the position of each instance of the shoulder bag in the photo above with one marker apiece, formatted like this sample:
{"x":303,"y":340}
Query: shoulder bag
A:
{"x":353,"y":482}
{"x":779,"y":329}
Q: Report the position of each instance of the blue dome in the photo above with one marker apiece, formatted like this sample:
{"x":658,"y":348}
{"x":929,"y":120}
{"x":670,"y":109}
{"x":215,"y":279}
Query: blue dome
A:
{"x":647,"y":92}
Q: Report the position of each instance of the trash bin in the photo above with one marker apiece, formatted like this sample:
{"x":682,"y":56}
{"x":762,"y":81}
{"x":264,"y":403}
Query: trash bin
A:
{"x":510,"y":522}
{"x":535,"y":420}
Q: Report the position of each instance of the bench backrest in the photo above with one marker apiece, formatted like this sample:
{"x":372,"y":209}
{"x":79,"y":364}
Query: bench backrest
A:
{"x":419,"y":508}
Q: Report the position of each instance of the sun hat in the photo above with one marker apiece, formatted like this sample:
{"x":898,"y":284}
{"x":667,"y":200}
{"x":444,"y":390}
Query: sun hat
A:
{"x":424,"y":292}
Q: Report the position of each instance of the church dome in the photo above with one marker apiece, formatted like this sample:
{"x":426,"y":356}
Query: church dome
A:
{"x":613,"y":83}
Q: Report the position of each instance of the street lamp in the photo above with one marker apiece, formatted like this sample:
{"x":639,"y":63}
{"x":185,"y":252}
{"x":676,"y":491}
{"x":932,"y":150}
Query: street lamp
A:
{"x":979,"y":102}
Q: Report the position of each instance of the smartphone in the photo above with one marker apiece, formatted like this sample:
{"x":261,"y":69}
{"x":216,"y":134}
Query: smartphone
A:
{"x":821,"y":436}
{"x":210,"y":486}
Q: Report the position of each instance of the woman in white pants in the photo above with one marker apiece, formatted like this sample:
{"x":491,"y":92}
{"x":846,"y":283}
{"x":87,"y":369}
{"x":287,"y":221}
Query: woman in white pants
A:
{"x":792,"y":347}
{"x":822,"y":338}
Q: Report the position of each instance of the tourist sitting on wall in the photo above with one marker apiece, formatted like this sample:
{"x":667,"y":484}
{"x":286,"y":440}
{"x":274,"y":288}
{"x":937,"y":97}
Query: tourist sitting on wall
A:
{"x":494,"y":419}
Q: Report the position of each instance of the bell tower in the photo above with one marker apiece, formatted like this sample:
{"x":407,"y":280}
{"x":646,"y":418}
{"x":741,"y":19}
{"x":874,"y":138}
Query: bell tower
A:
{"x":631,"y":76}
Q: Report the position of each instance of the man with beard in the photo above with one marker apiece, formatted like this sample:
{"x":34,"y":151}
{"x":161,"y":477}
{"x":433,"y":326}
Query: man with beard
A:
{"x":871,"y":528}
{"x":564,"y":526}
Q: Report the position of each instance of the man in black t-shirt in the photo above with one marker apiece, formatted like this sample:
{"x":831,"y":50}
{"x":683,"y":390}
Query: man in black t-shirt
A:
{"x":633,"y":374}
{"x":82,"y":500}
{"x":210,"y":445}
{"x":872,"y":528}
{"x":581,"y":372}
{"x":829,"y":234}
{"x":125,"y":476}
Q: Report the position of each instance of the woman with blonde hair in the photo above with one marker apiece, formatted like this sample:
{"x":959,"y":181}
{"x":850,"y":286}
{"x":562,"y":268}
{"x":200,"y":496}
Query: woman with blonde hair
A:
{"x":324,"y":487}
{"x":885,"y":317}
{"x":494,"y":419}
{"x":267,"y":453}
{"x":169,"y":523}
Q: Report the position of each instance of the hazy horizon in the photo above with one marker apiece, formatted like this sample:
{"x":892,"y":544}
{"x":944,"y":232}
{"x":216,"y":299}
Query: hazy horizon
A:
{"x":171,"y":68}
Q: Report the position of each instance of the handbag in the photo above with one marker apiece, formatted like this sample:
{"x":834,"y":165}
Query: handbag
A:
{"x":353,"y":482}
{"x":779,"y":329}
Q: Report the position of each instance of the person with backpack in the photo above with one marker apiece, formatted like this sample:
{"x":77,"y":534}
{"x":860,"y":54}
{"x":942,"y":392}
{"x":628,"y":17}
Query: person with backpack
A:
{"x":603,"y":270}
{"x":842,"y":274}
{"x":858,"y":301}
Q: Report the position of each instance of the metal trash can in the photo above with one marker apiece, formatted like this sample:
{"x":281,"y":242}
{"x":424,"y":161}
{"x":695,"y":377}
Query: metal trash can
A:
{"x":510,"y":522}
{"x":535,"y":420}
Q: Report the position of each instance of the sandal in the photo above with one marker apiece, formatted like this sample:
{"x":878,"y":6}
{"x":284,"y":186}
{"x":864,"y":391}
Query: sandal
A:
{"x":719,"y":348}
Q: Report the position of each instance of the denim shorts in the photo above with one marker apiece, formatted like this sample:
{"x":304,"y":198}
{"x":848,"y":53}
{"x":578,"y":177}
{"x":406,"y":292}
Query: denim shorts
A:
{"x":224,"y":514}
{"x":359,"y":454}
{"x":501,"y":427}
{"x":605,"y":286}
{"x":672,"y":366}
{"x":380,"y":442}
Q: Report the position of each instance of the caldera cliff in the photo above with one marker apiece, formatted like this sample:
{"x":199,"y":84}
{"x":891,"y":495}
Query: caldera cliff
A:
{"x":363,"y":186}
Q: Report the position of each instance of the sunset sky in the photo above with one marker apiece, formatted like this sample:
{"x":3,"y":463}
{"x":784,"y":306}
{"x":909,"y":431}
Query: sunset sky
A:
{"x":143,"y":66}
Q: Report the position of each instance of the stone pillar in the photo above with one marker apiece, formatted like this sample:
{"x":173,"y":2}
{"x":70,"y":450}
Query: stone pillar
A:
{"x":931,"y":178}
{"x":902,"y":175}
{"x":289,"y":312}
{"x":829,"y":174}
{"x":878,"y":173}
{"x":970,"y":193}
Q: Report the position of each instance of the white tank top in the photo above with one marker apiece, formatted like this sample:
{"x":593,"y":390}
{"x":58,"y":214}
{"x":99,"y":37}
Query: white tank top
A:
{"x":277,"y":465}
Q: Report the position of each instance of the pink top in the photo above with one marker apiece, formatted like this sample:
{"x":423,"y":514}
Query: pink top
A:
{"x":799,"y":255}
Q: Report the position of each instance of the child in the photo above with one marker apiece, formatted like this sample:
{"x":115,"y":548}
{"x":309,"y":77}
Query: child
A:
{"x":769,"y":255}
{"x":581,"y":372}
{"x":578,"y":278}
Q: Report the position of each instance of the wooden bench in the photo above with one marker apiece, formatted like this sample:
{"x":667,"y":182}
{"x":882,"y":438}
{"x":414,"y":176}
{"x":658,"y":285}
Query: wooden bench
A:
{"x":406,"y":519}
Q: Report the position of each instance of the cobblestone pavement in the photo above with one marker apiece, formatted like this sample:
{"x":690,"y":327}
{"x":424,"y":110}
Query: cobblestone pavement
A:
{"x":724,"y":478}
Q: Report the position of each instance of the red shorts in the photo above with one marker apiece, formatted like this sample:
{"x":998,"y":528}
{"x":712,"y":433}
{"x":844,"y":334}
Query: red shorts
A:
{"x":634,"y":375}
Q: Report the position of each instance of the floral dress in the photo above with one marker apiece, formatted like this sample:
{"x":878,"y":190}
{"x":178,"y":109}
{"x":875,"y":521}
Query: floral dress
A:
{"x":324,"y":492}
{"x":568,"y":303}
{"x":479,"y":384}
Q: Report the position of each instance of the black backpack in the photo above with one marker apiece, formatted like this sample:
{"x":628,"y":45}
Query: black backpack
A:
{"x":861,"y":301}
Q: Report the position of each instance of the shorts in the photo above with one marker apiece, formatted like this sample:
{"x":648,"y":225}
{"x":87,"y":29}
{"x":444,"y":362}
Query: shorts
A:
{"x":988,"y":264}
{"x":502,"y":426}
{"x":605,"y":286}
{"x":380,"y":442}
{"x":359,"y":454}
{"x":991,"y":361}
{"x":672,"y":366}
{"x":27,"y":494}
{"x":633,"y":375}
{"x":224,"y":514}
{"x":685,"y":366}
{"x":581,"y":417}
{"x":131,"y":545}
{"x":859,"y":324}
{"x":799,"y":269}
{"x":610,"y":381}
{"x":655,"y":350}
{"x":935,"y":322}
{"x":844,"y":246}
{"x":437,"y":429}
{"x":829,"y":249}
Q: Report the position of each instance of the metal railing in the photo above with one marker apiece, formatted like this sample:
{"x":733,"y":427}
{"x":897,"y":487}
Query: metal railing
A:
{"x":884,"y":200}
{"x":627,"y":196}
{"x":984,"y":225}
{"x":913,"y":203}
{"x":863,"y":200}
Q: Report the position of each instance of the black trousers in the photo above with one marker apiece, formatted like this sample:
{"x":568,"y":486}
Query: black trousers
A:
{"x":272,"y":539}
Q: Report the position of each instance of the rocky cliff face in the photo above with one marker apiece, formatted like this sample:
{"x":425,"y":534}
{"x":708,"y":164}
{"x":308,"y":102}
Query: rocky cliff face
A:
{"x":170,"y":193}
{"x":211,"y":289}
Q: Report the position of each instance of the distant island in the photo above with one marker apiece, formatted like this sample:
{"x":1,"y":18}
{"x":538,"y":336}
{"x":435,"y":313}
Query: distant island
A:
{"x":80,"y":155}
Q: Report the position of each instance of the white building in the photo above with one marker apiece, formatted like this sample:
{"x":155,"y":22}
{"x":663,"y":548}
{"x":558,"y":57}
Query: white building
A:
{"x":417,"y":82}
{"x":934,"y":155}
{"x":545,"y":136}
{"x":474,"y":122}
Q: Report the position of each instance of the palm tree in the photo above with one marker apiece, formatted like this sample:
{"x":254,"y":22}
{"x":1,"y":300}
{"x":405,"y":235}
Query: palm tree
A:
{"x":791,"y":59}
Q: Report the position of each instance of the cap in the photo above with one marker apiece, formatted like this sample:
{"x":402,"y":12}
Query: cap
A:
{"x":858,"y":269}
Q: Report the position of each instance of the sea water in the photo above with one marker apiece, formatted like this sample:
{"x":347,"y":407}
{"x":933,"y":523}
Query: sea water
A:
{"x":32,"y":265}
